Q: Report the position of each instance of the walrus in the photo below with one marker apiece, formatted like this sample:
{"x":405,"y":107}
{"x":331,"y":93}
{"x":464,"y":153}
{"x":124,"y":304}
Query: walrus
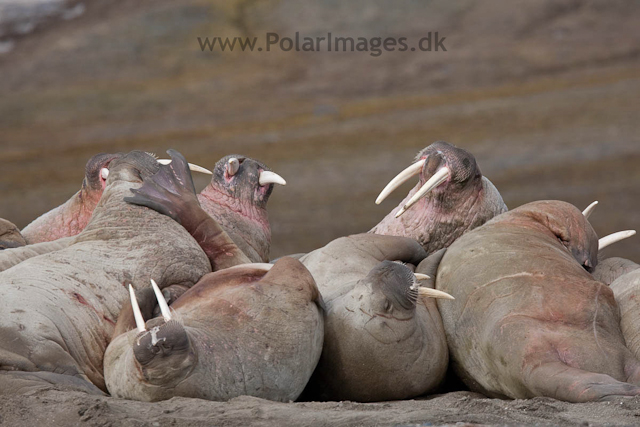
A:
{"x":451,"y":198}
{"x":58,"y":310}
{"x":529,"y":319}
{"x":236,"y":198}
{"x":70,"y":218}
{"x":10,"y":236}
{"x":384,"y":339}
{"x":238,"y":331}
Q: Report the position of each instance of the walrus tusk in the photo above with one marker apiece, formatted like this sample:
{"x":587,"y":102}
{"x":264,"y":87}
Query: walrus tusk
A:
{"x":438,"y":178}
{"x":136,"y":310}
{"x":400,"y":179}
{"x":433,"y":293}
{"x":232,"y":166}
{"x":104,"y":173}
{"x":421,"y":276}
{"x":614,"y":238}
{"x":257,"y":265}
{"x":587,"y":212}
{"x":192,"y":167}
{"x":164,"y":308}
{"x":268,"y":177}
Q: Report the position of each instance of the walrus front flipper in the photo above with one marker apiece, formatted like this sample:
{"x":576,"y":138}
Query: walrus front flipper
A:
{"x":20,"y":382}
{"x":171,"y":192}
{"x":575,"y":385}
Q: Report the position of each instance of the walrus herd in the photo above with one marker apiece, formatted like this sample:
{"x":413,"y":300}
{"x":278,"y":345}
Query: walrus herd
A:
{"x":139,"y":288}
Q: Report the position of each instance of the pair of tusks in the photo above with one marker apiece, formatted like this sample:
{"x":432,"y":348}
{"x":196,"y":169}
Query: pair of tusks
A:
{"x":164,"y":307}
{"x":438,"y":178}
{"x":265,"y":178}
{"x":162,"y":303}
{"x":428,"y":292}
{"x":104,"y":172}
{"x":611,"y":238}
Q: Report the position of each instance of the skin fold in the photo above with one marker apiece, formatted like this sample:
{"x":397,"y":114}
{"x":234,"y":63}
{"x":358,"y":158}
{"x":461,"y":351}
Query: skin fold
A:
{"x":58,"y":310}
{"x":382,"y":342}
{"x":466,"y":200}
{"x":72,"y":217}
{"x":239,"y":331}
{"x":625,"y":283}
{"x":529,"y":319}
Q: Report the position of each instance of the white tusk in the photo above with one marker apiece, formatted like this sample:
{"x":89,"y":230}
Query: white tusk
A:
{"x":164,"y":308}
{"x":400,"y":179}
{"x":433,"y":293}
{"x":136,"y":310}
{"x":268,"y":177}
{"x":437,"y":179}
{"x":104,"y":173}
{"x":587,"y":212}
{"x":194,"y":168}
{"x":257,"y":265}
{"x":232,"y":166}
{"x":420,"y":276}
{"x":614,"y":238}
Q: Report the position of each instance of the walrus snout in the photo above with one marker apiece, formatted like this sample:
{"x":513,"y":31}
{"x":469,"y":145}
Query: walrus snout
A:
{"x":160,"y":342}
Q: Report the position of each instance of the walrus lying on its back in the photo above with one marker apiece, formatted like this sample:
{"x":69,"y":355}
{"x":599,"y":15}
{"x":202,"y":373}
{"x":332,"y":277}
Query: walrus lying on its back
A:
{"x":528,"y":319}
{"x":238,"y":331}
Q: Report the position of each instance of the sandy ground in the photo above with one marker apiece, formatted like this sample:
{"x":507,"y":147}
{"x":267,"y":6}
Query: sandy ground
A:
{"x":456,"y":408}
{"x":544,"y":94}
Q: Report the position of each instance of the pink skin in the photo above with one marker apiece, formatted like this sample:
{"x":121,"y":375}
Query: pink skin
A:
{"x":238,"y":203}
{"x":463,"y":202}
{"x":70,"y":218}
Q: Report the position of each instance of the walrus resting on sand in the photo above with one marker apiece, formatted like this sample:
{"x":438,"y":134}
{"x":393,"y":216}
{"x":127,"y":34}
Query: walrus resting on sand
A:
{"x":58,"y":310}
{"x":383,"y":334}
{"x":245,"y":330}
{"x":528,"y":319}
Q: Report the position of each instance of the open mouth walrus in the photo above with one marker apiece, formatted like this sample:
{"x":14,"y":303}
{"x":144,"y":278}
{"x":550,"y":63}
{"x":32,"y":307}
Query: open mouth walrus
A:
{"x":529,"y":319}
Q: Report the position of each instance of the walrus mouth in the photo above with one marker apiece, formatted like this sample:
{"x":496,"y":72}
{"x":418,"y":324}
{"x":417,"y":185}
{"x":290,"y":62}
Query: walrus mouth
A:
{"x":440,"y":176}
{"x":427,"y":292}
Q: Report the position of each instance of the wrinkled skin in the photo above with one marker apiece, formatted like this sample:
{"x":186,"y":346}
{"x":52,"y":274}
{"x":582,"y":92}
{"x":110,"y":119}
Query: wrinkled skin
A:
{"x":170,"y":192}
{"x":528,"y":319}
{"x":626,"y":288}
{"x":237,"y":332}
{"x":610,"y":269}
{"x":58,"y":310}
{"x":463,"y":202}
{"x":10,"y":236}
{"x":72,"y":217}
{"x":382,"y":341}
{"x":239,"y":204}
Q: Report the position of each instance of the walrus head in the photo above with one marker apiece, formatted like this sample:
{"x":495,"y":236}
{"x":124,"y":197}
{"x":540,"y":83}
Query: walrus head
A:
{"x":237,"y":199}
{"x":450,"y":198}
{"x":381,"y":340}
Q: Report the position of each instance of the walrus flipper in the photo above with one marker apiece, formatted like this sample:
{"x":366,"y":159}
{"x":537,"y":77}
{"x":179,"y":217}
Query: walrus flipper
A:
{"x":171,"y":192}
{"x":576,"y":385}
